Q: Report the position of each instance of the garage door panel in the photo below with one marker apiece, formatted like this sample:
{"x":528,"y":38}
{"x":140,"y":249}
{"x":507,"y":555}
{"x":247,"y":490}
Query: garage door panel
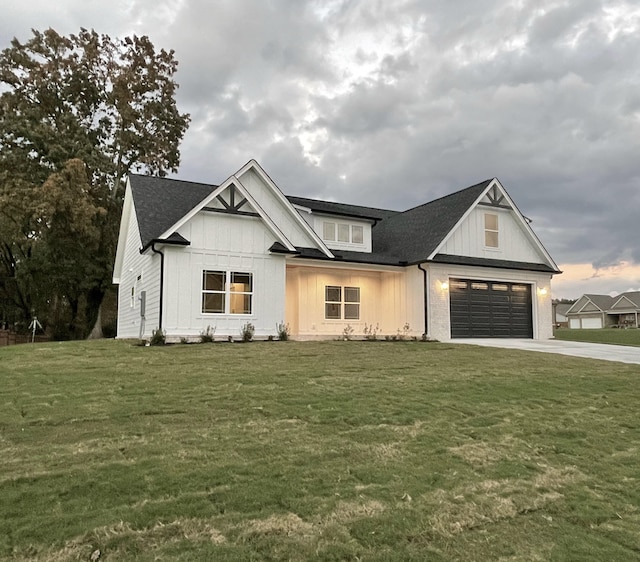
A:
{"x":490,"y":309}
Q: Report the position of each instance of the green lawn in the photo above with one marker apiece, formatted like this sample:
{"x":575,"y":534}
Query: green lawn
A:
{"x":316,"y":451}
{"x":614,"y":336}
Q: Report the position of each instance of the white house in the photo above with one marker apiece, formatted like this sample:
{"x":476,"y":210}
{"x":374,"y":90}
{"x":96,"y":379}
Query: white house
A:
{"x":192,"y":256}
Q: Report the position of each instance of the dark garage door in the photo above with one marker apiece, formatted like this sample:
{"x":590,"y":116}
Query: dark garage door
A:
{"x":490,"y":309}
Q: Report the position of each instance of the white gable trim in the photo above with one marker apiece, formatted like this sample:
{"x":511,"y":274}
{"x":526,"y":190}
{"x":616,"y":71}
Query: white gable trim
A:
{"x":631,"y":303}
{"x":520,"y":217}
{"x":233,"y":180}
{"x":588,"y":301}
{"x":253,"y":165}
{"x":127,"y":209}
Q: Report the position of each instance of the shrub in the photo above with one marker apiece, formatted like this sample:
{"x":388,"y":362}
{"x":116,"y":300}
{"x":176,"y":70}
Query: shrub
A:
{"x":207,"y":335}
{"x":283,"y":331}
{"x":371,"y":333}
{"x":247,"y":331}
{"x":347,"y":333}
{"x":158,"y":337}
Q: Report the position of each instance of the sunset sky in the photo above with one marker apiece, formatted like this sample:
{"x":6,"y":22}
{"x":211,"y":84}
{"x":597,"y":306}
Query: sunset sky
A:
{"x":392,"y":104}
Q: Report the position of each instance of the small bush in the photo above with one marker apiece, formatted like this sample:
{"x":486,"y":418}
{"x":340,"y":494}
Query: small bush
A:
{"x":347,"y":333}
{"x":404,"y":333}
{"x":283,"y":331}
{"x":184,"y":340}
{"x":247,"y":331}
{"x":207,"y":335}
{"x":371,"y":333}
{"x":158,"y":337}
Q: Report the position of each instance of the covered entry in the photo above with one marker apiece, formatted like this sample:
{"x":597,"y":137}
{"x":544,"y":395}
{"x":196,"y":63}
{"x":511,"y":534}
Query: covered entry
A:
{"x":490,"y":309}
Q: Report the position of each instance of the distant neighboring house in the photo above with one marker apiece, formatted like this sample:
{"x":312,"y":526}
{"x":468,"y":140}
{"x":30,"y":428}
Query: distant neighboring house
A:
{"x":602,"y":311}
{"x":560,"y":319}
{"x":192,"y":256}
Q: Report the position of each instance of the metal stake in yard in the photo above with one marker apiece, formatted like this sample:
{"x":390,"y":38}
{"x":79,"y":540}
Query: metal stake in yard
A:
{"x":33,"y":327}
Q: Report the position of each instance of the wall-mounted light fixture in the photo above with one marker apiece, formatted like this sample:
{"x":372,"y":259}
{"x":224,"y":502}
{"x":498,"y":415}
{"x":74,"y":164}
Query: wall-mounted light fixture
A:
{"x":444,"y":285}
{"x":542,"y":291}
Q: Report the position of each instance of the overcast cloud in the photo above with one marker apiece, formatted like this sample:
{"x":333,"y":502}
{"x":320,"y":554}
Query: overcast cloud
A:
{"x":392,"y":104}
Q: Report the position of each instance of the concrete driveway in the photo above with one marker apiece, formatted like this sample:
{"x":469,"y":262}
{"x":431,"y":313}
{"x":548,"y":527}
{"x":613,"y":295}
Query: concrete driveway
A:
{"x":621,"y":353}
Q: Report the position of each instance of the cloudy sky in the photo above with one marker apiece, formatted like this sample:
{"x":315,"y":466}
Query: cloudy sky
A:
{"x":391,"y":104}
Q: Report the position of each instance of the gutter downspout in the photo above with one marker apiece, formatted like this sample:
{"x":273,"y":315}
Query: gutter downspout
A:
{"x":426,"y":302}
{"x":161,"y":254}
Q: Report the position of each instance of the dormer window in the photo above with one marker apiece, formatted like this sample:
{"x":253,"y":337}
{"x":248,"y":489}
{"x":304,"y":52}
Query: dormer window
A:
{"x":342,"y":232}
{"x":357,"y":234}
{"x":329,"y":231}
{"x":491,"y":230}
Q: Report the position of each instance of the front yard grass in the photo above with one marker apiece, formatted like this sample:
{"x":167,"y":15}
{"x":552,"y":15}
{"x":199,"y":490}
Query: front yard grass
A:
{"x":316,"y":451}
{"x":615,"y":336}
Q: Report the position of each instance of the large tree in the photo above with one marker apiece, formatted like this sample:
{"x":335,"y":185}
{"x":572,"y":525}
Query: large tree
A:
{"x":77,"y":113}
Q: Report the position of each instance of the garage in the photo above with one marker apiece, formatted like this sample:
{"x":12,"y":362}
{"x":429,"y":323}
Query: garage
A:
{"x":490,"y":309}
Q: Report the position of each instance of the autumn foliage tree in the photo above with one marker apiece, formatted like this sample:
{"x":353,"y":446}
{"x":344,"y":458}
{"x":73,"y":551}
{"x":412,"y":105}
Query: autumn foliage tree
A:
{"x":77,"y":113}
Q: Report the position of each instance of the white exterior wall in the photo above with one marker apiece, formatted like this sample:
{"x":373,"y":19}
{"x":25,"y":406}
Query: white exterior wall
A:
{"x":385,"y":300}
{"x":221,"y":242}
{"x":439,"y":320}
{"x":514,"y":244}
{"x":130,"y":323}
{"x":274,"y":208}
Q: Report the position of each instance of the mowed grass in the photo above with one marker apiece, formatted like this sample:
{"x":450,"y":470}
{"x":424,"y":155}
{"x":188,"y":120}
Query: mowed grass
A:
{"x":316,"y":451}
{"x":613,"y":336}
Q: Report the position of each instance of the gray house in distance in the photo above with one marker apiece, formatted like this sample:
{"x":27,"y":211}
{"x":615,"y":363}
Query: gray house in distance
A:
{"x":603,"y":311}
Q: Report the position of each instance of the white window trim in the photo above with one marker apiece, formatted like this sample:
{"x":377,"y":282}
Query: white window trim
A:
{"x":342,"y":302}
{"x":487,"y":230}
{"x":227,"y":292}
{"x":335,"y":225}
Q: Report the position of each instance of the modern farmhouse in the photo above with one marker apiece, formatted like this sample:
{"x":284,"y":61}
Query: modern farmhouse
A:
{"x":193,"y":257}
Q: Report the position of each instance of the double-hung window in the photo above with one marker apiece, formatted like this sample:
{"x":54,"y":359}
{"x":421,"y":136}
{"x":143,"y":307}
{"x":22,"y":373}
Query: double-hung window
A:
{"x":341,"y":303}
{"x":491,"y":230}
{"x":227,"y":292}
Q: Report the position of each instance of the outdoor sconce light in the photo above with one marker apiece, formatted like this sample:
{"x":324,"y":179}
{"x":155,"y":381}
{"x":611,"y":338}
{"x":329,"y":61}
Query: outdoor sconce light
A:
{"x":444,"y":285}
{"x":542,"y":291}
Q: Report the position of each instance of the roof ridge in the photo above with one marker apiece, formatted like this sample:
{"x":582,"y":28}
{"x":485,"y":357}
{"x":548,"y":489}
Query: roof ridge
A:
{"x":175,"y":180}
{"x":474,"y":186}
{"x":339,"y":203}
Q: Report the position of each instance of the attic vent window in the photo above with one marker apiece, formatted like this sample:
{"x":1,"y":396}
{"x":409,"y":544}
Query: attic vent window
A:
{"x":491,"y":230}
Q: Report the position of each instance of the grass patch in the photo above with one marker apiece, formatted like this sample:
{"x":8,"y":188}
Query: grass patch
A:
{"x":613,"y":336}
{"x":316,"y":451}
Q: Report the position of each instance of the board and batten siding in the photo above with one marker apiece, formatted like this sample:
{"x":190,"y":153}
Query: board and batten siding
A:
{"x":221,"y":242}
{"x":274,"y":208}
{"x":439,"y":309}
{"x":385,"y":301}
{"x":514,"y":244}
{"x":147,"y":267}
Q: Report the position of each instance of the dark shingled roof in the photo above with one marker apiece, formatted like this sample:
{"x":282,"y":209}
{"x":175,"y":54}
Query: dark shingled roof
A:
{"x":342,"y":208}
{"x":161,"y":202}
{"x":398,"y":238}
{"x":412,"y":236}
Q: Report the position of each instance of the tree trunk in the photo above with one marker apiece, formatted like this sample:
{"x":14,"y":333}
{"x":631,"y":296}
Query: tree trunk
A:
{"x":94,"y":306}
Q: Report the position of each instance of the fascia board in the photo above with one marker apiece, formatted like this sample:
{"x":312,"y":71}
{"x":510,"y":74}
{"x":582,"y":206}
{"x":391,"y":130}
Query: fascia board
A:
{"x":526,"y":225}
{"x":267,"y":219}
{"x":518,"y":214}
{"x":570,"y":310}
{"x":232,"y":180}
{"x":631,"y":303}
{"x":253,"y":165}
{"x":461,"y":220}
{"x":127,"y":209}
